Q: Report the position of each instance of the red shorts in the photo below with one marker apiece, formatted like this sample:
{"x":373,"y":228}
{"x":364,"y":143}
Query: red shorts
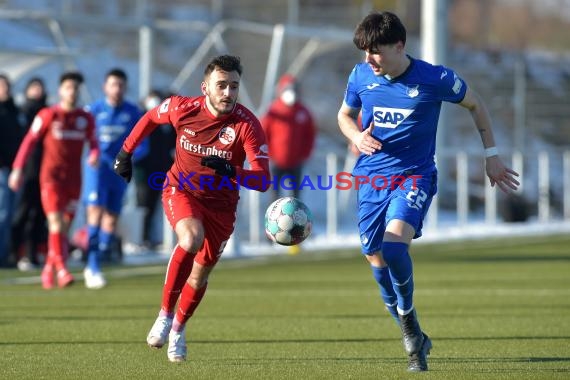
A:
{"x":58,"y":198}
{"x":218,"y":225}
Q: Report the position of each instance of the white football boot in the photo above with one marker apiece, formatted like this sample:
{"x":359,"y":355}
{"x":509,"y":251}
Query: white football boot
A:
{"x":158,"y":334}
{"x":177,"y":346}
{"x":94,"y":280}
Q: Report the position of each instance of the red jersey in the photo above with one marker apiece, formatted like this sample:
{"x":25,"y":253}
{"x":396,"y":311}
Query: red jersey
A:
{"x":290,"y":132}
{"x":64,"y":134}
{"x":234,"y":137}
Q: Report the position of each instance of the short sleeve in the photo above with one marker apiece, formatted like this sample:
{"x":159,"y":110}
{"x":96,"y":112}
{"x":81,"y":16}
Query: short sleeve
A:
{"x":351,"y":97}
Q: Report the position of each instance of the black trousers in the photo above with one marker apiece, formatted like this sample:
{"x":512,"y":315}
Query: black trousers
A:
{"x":29,"y":224}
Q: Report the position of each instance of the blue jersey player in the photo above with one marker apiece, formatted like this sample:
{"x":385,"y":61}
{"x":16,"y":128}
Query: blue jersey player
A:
{"x":400,"y":99}
{"x":103,"y":190}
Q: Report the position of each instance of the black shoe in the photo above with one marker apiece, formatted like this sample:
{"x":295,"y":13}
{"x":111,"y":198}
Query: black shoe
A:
{"x":418,"y":362}
{"x":412,"y":335}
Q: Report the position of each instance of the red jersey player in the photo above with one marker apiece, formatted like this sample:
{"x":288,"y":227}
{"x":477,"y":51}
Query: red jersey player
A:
{"x":215,"y":135}
{"x":63,"y":130}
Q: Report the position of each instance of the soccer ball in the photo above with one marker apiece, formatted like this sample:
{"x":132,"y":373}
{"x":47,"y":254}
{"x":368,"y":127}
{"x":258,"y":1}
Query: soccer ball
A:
{"x":288,"y":221}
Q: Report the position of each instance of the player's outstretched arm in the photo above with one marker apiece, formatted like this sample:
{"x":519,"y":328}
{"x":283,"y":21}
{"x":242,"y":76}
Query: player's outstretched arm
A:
{"x":497,"y":172}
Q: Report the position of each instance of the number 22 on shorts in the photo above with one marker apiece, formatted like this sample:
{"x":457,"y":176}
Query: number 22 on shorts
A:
{"x":416,"y":198}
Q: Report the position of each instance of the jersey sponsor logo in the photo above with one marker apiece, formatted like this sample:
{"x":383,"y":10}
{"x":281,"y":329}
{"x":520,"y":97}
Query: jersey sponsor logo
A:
{"x":60,"y":134}
{"x":385,"y":117}
{"x":189,"y":131}
{"x":457,"y":84}
{"x":124,"y":117}
{"x":110,"y":133}
{"x":203,"y":150}
{"x":413,"y":91}
{"x":372,"y":86}
{"x":227,"y":135}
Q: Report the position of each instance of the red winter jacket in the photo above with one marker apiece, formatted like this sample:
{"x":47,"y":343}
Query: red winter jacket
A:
{"x":290,"y":130}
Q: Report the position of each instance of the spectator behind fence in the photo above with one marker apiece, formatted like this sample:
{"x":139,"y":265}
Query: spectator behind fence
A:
{"x":103,"y":190}
{"x":162,"y":144}
{"x":290,"y":132}
{"x":63,"y":130}
{"x":11,"y":133}
{"x":29,"y":226}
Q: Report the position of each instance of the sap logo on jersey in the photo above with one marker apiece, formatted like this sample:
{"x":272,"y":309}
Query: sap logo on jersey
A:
{"x":389,"y":117}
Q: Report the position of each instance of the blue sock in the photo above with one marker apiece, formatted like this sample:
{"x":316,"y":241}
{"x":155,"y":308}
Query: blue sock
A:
{"x":400,"y":265}
{"x":105,"y":240}
{"x":382,"y":277}
{"x":93,"y":248}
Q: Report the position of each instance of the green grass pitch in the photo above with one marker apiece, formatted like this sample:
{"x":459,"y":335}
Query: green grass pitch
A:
{"x":496,"y":309}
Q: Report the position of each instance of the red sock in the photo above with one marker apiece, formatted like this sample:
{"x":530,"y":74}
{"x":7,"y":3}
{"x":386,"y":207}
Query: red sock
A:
{"x":189,"y":301}
{"x":56,"y":250}
{"x":177,"y":273}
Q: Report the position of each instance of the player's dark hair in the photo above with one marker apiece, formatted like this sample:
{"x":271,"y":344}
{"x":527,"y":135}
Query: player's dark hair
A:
{"x":4,"y":78}
{"x":118,"y":73}
{"x":227,"y":63}
{"x":379,"y":28}
{"x":71,"y":75}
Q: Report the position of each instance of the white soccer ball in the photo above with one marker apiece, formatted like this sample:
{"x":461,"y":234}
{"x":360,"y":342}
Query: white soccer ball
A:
{"x":288,"y":221}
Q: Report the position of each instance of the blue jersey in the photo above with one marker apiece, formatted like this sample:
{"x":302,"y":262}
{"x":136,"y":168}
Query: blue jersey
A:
{"x":101,"y":186}
{"x":405,"y":112}
{"x":112,"y":126}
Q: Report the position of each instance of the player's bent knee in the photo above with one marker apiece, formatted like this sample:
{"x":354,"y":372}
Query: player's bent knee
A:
{"x":190,"y":243}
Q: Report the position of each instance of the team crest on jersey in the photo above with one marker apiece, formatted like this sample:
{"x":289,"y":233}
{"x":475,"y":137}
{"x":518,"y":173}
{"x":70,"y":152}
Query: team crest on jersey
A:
{"x":413,"y":91}
{"x":227,"y":135}
{"x":81,"y":123}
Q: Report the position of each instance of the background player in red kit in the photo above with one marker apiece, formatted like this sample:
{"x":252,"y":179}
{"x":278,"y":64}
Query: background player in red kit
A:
{"x":63,"y":130}
{"x":215,"y":135}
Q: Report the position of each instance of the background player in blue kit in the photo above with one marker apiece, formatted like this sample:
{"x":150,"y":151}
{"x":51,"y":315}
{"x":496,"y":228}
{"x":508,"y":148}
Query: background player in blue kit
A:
{"x":400,"y":98}
{"x":103,"y":190}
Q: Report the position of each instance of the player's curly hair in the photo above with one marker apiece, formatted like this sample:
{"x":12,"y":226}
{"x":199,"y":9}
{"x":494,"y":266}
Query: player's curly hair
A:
{"x":224,"y":62}
{"x":377,"y":29}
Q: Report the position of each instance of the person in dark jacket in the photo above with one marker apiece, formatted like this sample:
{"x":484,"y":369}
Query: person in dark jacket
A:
{"x":11,"y":135}
{"x":159,"y":159}
{"x":29,"y":226}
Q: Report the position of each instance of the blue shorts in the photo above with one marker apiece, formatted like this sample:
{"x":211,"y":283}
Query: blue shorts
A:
{"x":104,"y":188}
{"x":377,"y":207}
